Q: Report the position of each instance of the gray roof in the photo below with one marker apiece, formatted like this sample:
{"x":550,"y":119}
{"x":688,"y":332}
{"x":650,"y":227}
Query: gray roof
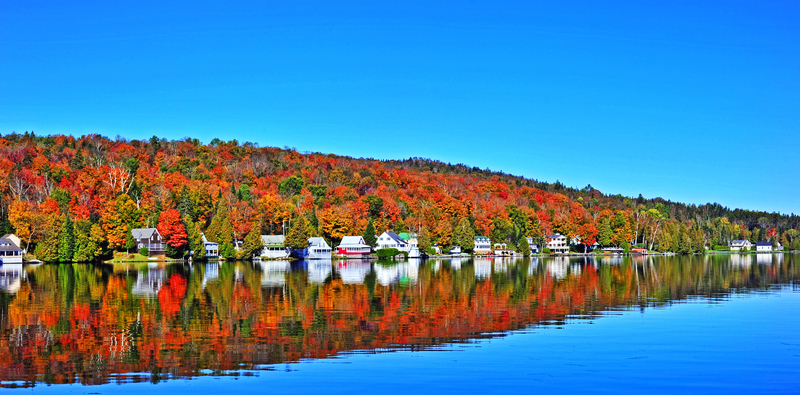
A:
{"x":273,"y":240}
{"x":317,"y":241}
{"x":396,"y":237}
{"x":143,"y":233}
{"x":739,"y":241}
{"x":7,"y":244}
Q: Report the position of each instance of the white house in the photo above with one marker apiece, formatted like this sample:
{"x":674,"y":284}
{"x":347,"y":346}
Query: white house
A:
{"x":274,"y":246}
{"x":482,"y":245}
{"x":764,"y":247}
{"x":11,"y":249}
{"x":738,"y":245}
{"x":534,"y":247}
{"x":353,"y":245}
{"x":391,"y":240}
{"x":318,"y":248}
{"x":557,"y":244}
{"x":212,"y":249}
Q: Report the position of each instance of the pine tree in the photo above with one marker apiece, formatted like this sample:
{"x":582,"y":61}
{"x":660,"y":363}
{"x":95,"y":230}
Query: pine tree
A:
{"x":130,"y":242}
{"x":524,"y":247}
{"x":463,"y":235}
{"x":77,"y":161}
{"x":252,"y":244}
{"x":424,"y":240}
{"x":66,"y":240}
{"x":369,"y":235}
{"x":604,"y":232}
{"x":47,"y":249}
{"x":226,"y":242}
{"x":185,"y":204}
{"x":195,"y":239}
{"x":297,"y":238}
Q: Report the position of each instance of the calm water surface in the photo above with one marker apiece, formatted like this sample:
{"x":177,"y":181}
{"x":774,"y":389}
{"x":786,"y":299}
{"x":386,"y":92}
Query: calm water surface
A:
{"x":715,"y":324}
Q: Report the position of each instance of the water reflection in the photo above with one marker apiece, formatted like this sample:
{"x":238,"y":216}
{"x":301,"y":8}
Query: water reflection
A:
{"x":95,"y":324}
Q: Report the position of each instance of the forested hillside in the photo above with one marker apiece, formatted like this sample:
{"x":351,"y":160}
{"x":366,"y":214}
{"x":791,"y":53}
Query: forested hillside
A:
{"x":73,"y":198}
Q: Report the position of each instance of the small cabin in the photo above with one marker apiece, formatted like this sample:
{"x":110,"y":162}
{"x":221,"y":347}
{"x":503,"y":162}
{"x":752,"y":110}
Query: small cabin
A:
{"x":150,"y":238}
{"x":274,"y":246}
{"x":212,"y":249}
{"x":11,"y":250}
{"x":353,"y":245}
{"x":739,"y":245}
{"x":764,"y":247}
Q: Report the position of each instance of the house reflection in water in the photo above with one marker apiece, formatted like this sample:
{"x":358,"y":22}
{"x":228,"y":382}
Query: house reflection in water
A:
{"x":557,"y":267}
{"x":769,"y":259}
{"x":11,"y":276}
{"x":319,"y":270}
{"x":149,"y":282}
{"x":455,"y":263}
{"x":405,"y":272}
{"x":211,"y":273}
{"x":483,"y":268}
{"x":353,"y":271}
{"x":741,"y":261}
{"x":274,"y":273}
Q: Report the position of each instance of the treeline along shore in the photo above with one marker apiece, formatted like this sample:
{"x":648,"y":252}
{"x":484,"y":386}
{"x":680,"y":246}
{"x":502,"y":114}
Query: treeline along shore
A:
{"x":72,"y":198}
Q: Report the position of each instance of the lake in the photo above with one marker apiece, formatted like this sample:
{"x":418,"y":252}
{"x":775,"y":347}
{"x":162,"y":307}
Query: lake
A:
{"x":689,"y":324}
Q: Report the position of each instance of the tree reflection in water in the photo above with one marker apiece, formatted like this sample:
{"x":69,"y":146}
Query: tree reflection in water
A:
{"x":96,"y":324}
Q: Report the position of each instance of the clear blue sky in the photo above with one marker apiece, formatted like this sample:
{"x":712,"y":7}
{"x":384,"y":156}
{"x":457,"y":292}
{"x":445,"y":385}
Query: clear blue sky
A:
{"x":693,"y":103}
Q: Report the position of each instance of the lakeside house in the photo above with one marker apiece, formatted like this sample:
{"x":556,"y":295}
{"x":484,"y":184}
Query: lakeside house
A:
{"x":11,"y":250}
{"x":274,"y":246}
{"x":391,"y":240}
{"x":410,"y":238}
{"x":764,"y":247}
{"x":317,"y":248}
{"x":534,"y":247}
{"x":353,"y":245}
{"x":739,"y":245}
{"x":149,"y":238}
{"x":501,"y":249}
{"x":557,"y":244}
{"x":482,"y":245}
{"x":212,"y":249}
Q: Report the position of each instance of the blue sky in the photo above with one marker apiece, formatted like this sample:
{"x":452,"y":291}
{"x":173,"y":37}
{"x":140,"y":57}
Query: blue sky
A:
{"x":691,"y":102}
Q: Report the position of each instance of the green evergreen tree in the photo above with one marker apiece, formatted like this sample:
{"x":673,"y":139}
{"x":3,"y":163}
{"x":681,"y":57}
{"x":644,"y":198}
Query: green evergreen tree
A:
{"x":77,"y":161}
{"x":252,"y":244}
{"x":604,"y":232}
{"x":130,"y":242}
{"x":424,"y":240}
{"x":196,"y":244}
{"x":524,"y":247}
{"x":66,"y":240}
{"x":226,"y":243}
{"x":185,"y":204}
{"x":89,"y":241}
{"x":369,"y":235}
{"x":463,"y":235}
{"x":214,"y":231}
{"x":297,"y":238}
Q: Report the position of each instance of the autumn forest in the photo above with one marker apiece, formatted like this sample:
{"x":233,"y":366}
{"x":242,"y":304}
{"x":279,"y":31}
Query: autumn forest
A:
{"x":77,"y":198}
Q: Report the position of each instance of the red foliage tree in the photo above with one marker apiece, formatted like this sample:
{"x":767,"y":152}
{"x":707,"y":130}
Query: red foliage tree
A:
{"x":172,"y":229}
